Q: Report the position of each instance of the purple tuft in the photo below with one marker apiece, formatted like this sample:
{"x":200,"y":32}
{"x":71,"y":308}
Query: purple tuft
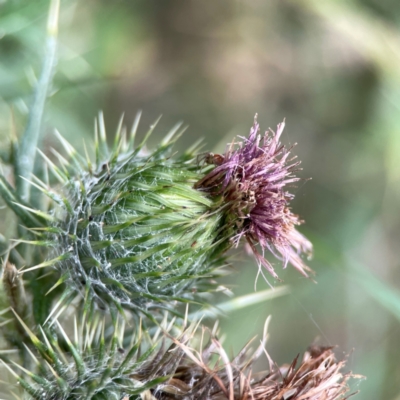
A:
{"x":250,"y":178}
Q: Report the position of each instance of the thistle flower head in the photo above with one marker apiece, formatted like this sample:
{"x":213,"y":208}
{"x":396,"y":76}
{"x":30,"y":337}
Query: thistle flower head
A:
{"x":139,"y":229}
{"x":250,"y":178}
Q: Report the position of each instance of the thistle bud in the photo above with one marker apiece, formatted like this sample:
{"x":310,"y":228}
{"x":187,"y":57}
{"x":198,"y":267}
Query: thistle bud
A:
{"x":143,"y":228}
{"x":132,"y":230}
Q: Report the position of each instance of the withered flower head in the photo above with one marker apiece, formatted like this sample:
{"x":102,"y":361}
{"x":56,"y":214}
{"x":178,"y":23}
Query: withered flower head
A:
{"x":250,"y":178}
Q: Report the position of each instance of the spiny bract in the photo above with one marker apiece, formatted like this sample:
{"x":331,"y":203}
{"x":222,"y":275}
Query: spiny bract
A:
{"x":132,"y":231}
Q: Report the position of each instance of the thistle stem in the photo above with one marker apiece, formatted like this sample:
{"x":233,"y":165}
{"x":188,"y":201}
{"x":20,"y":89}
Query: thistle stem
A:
{"x":27,"y":150}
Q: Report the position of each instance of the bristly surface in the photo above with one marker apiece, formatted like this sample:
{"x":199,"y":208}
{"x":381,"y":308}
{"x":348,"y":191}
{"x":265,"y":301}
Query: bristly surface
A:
{"x":251,"y":178}
{"x":130,"y":231}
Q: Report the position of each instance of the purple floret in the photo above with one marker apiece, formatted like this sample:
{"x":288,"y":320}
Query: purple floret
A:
{"x":251,"y":177}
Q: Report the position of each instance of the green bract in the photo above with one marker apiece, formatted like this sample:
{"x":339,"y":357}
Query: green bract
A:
{"x":132,"y":230}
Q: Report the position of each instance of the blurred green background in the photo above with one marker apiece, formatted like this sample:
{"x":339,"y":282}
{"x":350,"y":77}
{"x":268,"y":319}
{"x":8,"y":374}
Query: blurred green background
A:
{"x":330,"y":67}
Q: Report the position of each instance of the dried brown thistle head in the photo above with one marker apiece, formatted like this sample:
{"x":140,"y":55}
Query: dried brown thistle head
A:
{"x":210,"y":375}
